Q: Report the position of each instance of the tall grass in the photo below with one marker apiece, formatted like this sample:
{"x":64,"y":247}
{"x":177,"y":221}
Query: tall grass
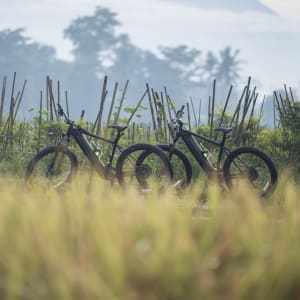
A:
{"x":95,"y":241}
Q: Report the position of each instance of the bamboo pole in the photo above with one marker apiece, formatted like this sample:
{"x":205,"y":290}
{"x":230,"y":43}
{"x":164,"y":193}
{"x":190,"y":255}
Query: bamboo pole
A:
{"x":168,"y":104}
{"x":40,"y":121}
{"x":111,"y":107}
{"x":208,"y":110}
{"x":213,"y":108}
{"x":58,"y":92}
{"x":2,"y":100}
{"x":194,"y":112}
{"x":237,"y":107}
{"x":67,"y":103}
{"x":225,"y":105}
{"x":164,"y":115}
{"x":199,"y":111}
{"x":20,"y":100}
{"x":189,"y":115}
{"x":137,"y":106}
{"x":100,"y":113}
{"x":252,"y":110}
{"x":152,"y":112}
{"x":121,"y":103}
{"x":274,"y":112}
{"x":278,"y":105}
{"x":292,"y":96}
{"x":82,"y":114}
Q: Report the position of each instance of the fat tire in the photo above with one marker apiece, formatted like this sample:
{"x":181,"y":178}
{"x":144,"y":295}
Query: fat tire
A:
{"x":141,"y":147}
{"x":233,"y":156}
{"x":181,"y":156}
{"x":52,"y":149}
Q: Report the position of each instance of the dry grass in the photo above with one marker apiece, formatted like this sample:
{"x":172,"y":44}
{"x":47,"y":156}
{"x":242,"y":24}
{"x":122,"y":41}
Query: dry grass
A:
{"x":95,"y":241}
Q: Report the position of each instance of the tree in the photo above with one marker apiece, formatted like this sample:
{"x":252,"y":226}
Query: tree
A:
{"x":229,"y":66}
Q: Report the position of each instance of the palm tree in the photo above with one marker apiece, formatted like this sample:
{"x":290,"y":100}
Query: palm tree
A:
{"x":229,"y":66}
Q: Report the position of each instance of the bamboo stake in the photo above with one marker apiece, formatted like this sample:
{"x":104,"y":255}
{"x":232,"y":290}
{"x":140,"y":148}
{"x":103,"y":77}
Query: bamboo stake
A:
{"x":137,"y":107}
{"x":168,"y":104}
{"x":208,"y":111}
{"x":58,"y":92}
{"x":40,"y":121}
{"x":47,"y":97}
{"x":213,"y":108}
{"x":67,"y":103}
{"x":286,"y":92}
{"x":152,"y":111}
{"x":82,"y":114}
{"x":20,"y":100}
{"x":199,"y":116}
{"x":164,"y":115}
{"x":157,"y":105}
{"x":52,"y":102}
{"x":225,"y":106}
{"x":252,"y":110}
{"x":194,"y":112}
{"x":189,"y":115}
{"x":278,"y":105}
{"x":2,"y":100}
{"x":111,"y":108}
{"x":292,"y":96}
{"x":100,"y":113}
{"x":238,"y":107}
{"x":121,"y":102}
{"x":274,"y":112}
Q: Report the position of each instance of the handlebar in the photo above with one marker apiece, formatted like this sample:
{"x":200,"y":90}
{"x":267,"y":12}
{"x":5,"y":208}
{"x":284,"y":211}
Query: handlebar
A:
{"x":179,"y":113}
{"x":61,"y":113}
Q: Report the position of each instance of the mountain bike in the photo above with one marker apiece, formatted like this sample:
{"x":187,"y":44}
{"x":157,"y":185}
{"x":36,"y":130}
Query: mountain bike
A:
{"x":57,"y":165}
{"x":244,"y":163}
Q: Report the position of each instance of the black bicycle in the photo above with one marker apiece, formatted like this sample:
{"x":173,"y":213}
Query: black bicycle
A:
{"x":243,"y":163}
{"x":58,"y":165}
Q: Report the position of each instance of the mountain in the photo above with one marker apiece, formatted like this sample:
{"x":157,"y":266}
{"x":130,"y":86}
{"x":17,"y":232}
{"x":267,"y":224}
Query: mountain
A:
{"x":232,"y":5}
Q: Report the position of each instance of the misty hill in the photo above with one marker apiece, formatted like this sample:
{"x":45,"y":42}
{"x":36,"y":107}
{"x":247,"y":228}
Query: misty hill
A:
{"x":232,"y":5}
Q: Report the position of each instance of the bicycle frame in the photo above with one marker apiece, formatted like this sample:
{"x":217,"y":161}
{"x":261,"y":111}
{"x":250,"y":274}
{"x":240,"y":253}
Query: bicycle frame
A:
{"x":79,"y":133}
{"x":190,"y":141}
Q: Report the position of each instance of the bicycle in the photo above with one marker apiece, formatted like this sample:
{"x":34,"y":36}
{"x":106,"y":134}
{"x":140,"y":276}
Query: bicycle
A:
{"x":244,"y":162}
{"x":58,"y":165}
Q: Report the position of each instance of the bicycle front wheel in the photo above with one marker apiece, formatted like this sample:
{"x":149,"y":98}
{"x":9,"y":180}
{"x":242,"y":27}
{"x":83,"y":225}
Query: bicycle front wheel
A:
{"x":53,"y":166}
{"x":154,"y":171}
{"x":182,"y":168}
{"x":253,"y":166}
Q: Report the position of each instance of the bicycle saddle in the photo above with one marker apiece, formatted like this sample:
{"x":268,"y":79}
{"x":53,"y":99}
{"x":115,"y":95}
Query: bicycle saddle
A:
{"x":119,"y":127}
{"x":223,"y":129}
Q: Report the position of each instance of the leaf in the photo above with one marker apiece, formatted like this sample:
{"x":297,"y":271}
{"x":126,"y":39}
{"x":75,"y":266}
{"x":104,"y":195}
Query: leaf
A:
{"x":129,"y":110}
{"x":143,"y":107}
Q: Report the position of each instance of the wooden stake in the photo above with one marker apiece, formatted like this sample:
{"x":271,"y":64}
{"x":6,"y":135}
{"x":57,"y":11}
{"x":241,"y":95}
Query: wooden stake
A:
{"x":121,"y":103}
{"x":111,"y":108}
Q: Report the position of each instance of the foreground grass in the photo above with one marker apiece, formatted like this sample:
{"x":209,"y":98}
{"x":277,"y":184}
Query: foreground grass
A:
{"x":98,"y":242}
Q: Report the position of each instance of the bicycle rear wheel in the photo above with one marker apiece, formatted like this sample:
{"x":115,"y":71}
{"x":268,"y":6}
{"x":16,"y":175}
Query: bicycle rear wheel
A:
{"x":53,"y":166}
{"x":155,"y":171}
{"x":252,"y":166}
{"x":182,"y":168}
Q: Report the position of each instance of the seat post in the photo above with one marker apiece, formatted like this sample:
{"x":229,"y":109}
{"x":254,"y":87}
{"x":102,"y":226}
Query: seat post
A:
{"x":115,"y":143}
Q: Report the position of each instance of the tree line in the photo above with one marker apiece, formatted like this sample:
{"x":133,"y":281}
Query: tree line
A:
{"x":99,"y":50}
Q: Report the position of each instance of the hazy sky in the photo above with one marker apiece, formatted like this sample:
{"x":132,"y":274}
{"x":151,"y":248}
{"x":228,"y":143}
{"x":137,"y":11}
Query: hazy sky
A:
{"x":269,"y":43}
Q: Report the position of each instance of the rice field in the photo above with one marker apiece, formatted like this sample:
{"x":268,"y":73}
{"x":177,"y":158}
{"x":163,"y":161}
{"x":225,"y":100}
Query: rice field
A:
{"x":96,"y":241}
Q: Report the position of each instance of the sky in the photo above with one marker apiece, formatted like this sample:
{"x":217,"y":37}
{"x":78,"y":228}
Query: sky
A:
{"x":269,"y":42}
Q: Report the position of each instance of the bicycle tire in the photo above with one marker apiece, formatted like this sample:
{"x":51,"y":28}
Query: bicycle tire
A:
{"x":131,"y":171}
{"x":182,"y":168}
{"x":259,"y":170}
{"x":54,"y":165}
